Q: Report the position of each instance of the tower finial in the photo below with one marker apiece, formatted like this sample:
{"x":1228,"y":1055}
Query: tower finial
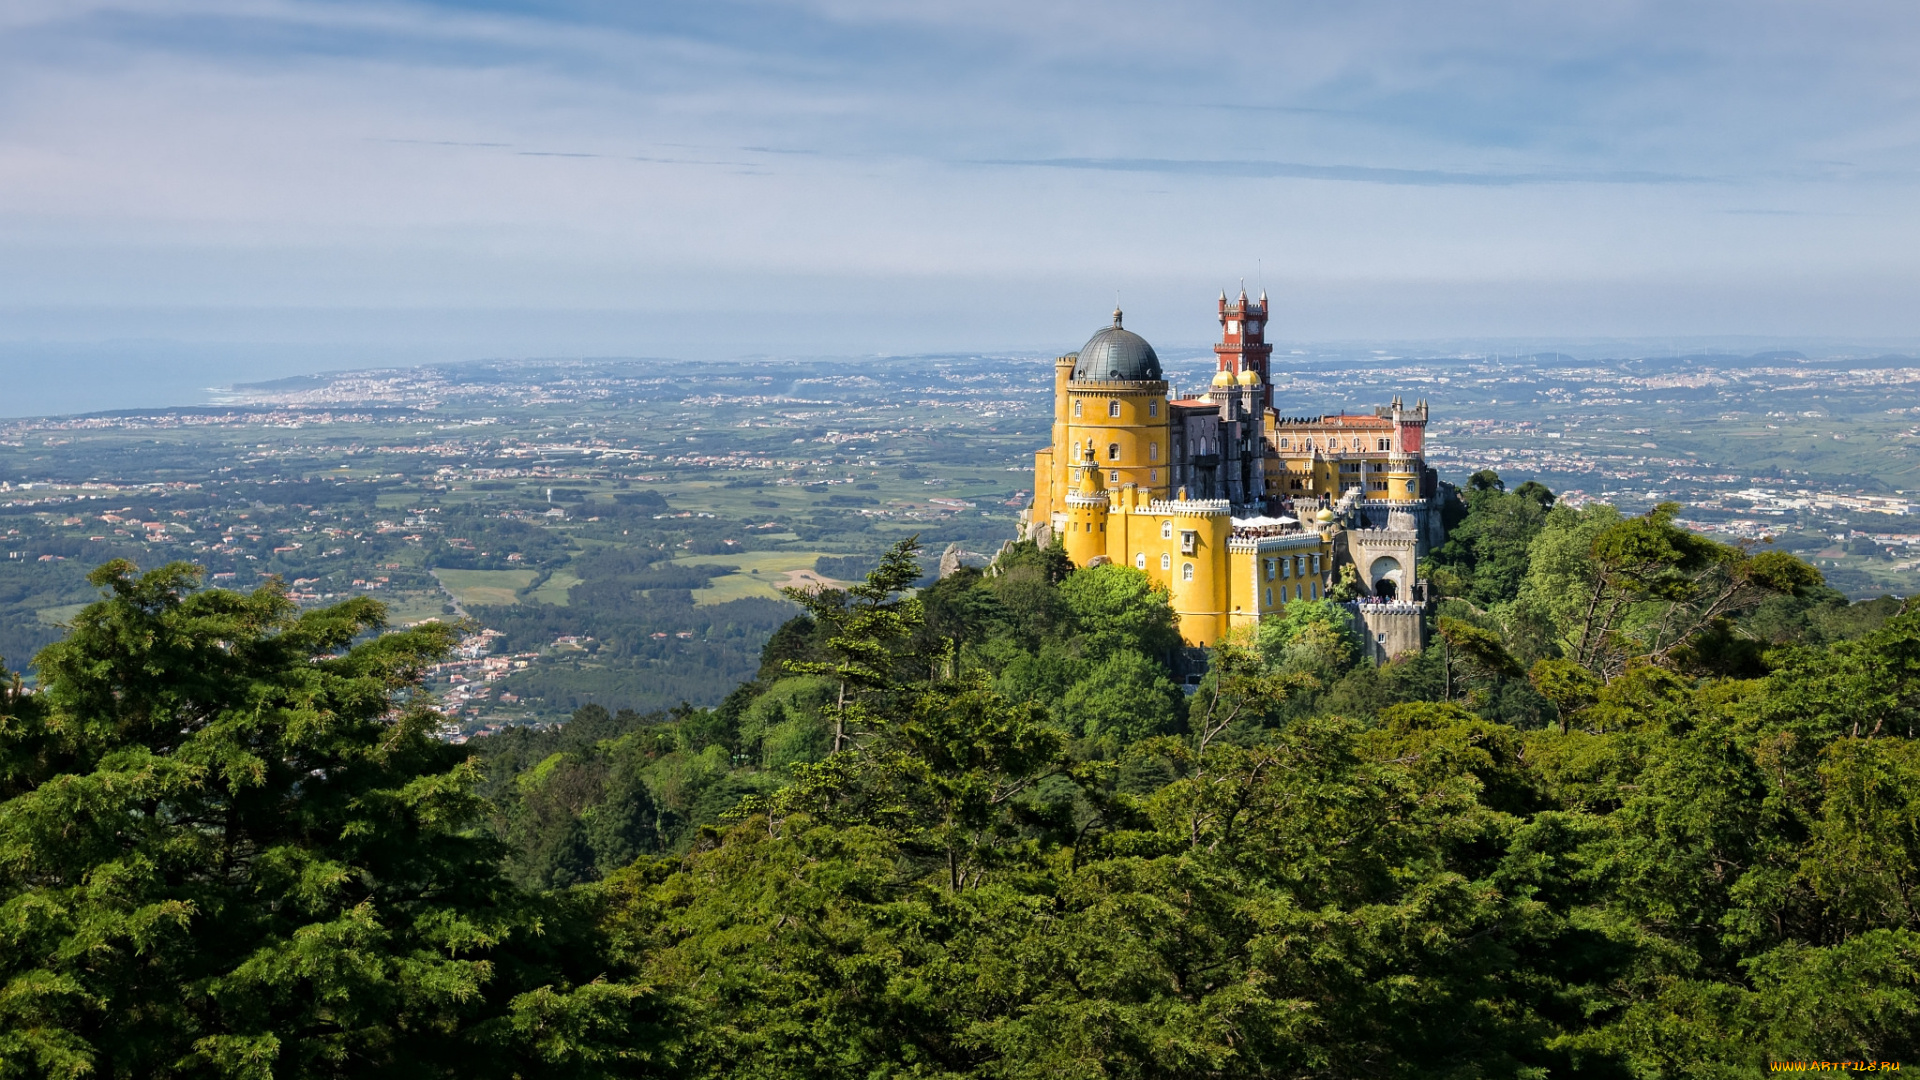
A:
{"x":1116,"y":311}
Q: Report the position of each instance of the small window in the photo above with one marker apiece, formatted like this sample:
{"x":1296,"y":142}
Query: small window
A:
{"x":1269,"y":596}
{"x":1153,"y":451}
{"x":1103,"y":526}
{"x":1316,"y":564}
{"x":1166,"y":530}
{"x":1186,"y":571}
{"x":1165,"y":561}
{"x":1286,"y":568}
{"x":1113,"y":407}
{"x":1153,"y":476}
{"x":1113,"y":451}
{"x":1189,"y":541}
{"x":1316,"y":590}
{"x":1140,"y":561}
{"x":1153,"y":407}
{"x":1270,"y":573}
{"x":1113,"y":477}
{"x":1283,"y":444}
{"x":1076,"y":408}
{"x":1383,"y":444}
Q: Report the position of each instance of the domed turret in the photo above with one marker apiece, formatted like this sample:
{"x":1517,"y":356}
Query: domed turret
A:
{"x":1249,"y":377}
{"x":1116,"y":353}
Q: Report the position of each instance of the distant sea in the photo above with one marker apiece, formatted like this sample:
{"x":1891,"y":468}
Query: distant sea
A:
{"x":62,"y":378}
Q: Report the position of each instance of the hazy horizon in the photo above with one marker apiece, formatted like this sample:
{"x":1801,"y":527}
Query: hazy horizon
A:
{"x":60,"y":379}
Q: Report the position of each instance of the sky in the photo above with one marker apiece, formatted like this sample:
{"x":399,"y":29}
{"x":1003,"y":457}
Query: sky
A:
{"x":215,"y":188}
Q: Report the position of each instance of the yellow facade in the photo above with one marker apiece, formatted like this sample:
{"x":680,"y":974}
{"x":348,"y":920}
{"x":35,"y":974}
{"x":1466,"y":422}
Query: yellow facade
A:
{"x":1218,"y":579}
{"x":1105,"y":486}
{"x":1123,"y":424}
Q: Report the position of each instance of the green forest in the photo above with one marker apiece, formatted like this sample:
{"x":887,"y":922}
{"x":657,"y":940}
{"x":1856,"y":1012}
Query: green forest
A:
{"x":1648,"y":806}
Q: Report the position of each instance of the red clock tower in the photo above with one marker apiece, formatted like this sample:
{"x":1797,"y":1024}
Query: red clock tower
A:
{"x":1243,"y":341}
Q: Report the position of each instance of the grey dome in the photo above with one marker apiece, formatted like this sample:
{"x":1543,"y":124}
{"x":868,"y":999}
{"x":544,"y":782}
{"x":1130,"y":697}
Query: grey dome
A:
{"x":1114,"y":353}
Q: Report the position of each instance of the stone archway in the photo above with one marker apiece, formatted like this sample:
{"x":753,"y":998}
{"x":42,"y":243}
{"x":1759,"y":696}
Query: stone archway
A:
{"x":1384,"y":576}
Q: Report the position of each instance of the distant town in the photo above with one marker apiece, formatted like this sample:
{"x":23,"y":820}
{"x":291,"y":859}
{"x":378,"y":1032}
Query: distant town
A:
{"x":622,"y":531}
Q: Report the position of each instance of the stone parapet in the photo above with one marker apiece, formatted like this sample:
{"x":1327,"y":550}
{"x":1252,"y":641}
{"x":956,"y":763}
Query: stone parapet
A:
{"x":1282,"y":542}
{"x":1190,"y":507}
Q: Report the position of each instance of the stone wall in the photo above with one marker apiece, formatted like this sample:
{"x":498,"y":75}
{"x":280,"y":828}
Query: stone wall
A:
{"x":1391,"y":629}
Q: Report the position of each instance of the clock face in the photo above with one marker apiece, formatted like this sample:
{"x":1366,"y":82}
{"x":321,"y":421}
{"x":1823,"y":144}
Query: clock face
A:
{"x":1254,"y":327}
{"x":1233,"y":326}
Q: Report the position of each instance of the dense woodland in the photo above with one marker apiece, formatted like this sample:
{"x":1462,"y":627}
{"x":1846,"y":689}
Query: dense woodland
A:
{"x":1649,"y":806}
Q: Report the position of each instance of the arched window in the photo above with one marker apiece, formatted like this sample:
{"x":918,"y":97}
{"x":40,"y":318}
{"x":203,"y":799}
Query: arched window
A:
{"x":1076,"y":408}
{"x":1283,"y":444}
{"x":1113,"y":477}
{"x":1153,"y":407}
{"x":1140,"y":561}
{"x":1165,"y":561}
{"x":1153,"y":451}
{"x":1166,"y":530}
{"x":1186,"y":571}
{"x":1113,"y":407}
{"x":1269,"y":596}
{"x":1113,"y":451}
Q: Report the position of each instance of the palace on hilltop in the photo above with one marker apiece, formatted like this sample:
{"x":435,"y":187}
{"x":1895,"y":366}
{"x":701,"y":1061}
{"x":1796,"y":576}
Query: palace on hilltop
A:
{"x":1236,"y":509}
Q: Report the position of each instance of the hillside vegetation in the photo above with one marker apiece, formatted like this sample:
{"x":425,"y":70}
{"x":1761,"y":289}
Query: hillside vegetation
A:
{"x":1649,"y":806}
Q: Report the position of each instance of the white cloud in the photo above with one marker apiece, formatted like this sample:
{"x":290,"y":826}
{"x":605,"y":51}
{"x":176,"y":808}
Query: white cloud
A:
{"x":835,"y":158}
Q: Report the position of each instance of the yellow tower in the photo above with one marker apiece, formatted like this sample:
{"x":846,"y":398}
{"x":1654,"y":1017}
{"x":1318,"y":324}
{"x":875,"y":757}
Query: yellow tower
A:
{"x":1053,"y":467}
{"x":1115,"y":407}
{"x":1087,"y":509}
{"x":1198,"y":574}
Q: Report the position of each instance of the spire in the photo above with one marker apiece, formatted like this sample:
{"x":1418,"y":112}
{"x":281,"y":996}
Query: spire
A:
{"x":1090,"y":479}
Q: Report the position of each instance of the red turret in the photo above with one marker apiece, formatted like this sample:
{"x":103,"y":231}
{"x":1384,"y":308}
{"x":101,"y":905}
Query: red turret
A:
{"x":1243,"y":341}
{"x":1410,"y":427}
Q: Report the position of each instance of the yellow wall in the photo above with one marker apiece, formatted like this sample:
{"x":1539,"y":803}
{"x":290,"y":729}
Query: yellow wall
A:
{"x":1200,"y":602}
{"x":1043,"y":485}
{"x":1115,"y":521}
{"x":1060,"y":481}
{"x":1144,"y":448}
{"x":1402,"y":482}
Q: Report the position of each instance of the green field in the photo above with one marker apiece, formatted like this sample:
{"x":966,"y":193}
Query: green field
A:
{"x":407,"y":608}
{"x":554,"y":589}
{"x":482,"y":587}
{"x":761,"y":574}
{"x":59,"y":616}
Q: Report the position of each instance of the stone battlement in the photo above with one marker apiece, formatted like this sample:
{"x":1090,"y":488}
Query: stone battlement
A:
{"x":1191,"y":507}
